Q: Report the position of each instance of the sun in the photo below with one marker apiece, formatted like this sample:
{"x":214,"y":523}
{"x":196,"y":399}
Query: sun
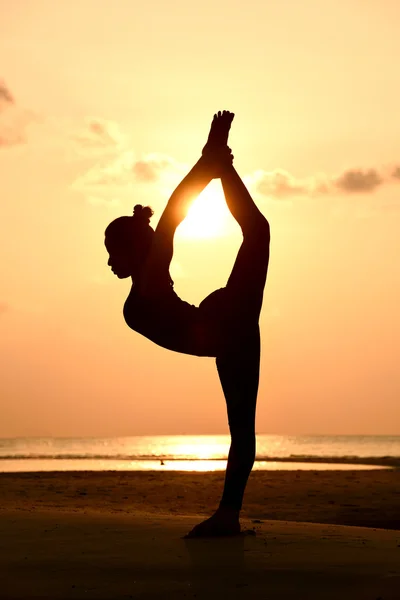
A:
{"x":208,"y":216}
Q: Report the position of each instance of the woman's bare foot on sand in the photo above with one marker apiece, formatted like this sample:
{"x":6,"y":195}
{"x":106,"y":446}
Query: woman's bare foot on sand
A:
{"x":224,"y":522}
{"x":219,"y":132}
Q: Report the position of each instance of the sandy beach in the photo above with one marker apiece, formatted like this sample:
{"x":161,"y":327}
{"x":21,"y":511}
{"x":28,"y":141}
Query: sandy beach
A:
{"x":362,"y":498}
{"x":307,"y":535}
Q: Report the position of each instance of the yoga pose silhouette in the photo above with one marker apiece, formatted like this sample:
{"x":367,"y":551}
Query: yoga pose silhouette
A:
{"x":224,"y":325}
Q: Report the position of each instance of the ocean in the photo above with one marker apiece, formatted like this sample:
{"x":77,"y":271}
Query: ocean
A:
{"x":196,"y":453}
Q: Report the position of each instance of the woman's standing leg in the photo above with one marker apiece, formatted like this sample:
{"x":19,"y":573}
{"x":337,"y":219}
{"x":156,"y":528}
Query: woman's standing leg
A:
{"x":238,"y":363}
{"x":239,"y":371}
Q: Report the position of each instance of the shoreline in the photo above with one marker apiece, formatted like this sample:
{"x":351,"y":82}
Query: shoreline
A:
{"x":96,"y":463}
{"x":383,"y":461}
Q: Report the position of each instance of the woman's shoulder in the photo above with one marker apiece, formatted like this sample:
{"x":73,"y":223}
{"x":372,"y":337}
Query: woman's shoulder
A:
{"x":146,"y":297}
{"x":153,"y":287}
{"x":162,"y":297}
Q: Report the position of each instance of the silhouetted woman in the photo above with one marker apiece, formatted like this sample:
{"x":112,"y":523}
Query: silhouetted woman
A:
{"x":224,"y":326}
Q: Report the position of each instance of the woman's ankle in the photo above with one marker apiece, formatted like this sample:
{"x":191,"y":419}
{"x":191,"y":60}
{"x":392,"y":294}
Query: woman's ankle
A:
{"x":228,"y":512}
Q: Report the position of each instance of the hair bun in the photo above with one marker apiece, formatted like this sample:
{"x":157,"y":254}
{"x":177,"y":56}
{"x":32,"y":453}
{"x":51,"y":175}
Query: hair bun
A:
{"x":142,"y":213}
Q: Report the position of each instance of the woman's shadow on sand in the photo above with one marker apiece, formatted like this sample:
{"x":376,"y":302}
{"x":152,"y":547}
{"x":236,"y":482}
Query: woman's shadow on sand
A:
{"x":218,"y":563}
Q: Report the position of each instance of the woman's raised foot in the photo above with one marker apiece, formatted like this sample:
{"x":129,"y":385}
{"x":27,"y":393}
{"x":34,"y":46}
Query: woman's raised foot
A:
{"x":219,"y":132}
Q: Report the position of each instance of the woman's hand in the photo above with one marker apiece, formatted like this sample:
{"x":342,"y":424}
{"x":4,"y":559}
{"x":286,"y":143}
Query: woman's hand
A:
{"x":216,"y":160}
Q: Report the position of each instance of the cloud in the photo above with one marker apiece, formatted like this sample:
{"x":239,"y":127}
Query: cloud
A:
{"x":120,"y":172}
{"x":10,"y":132}
{"x":281,"y":185}
{"x":109,"y":181}
{"x":359,"y":181}
{"x":13,"y":119}
{"x":99,"y":136}
{"x":124,"y":170}
{"x":396,"y":173}
{"x":94,"y":138}
{"x":6,"y":98}
{"x":151,"y":167}
{"x":106,"y":182}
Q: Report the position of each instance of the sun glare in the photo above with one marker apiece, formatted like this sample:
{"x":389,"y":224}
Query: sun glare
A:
{"x":208,"y":215}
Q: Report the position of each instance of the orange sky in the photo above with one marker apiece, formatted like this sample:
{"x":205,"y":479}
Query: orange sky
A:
{"x":103,"y":105}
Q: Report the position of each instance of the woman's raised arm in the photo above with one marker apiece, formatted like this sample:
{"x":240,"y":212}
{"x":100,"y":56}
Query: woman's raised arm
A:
{"x":155,"y":275}
{"x":181,"y":198}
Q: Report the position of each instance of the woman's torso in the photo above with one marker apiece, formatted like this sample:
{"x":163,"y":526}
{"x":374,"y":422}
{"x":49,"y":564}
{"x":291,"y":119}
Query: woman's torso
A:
{"x":173,"y":323}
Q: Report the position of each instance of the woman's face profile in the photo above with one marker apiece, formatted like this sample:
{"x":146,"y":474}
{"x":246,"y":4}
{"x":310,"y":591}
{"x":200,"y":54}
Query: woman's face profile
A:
{"x":119,"y":259}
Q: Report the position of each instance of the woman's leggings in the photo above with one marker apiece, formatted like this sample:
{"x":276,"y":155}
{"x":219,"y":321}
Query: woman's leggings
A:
{"x":238,"y":361}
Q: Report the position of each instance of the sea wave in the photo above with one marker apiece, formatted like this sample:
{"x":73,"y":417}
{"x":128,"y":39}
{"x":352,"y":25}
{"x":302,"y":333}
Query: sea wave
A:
{"x":384,"y":461}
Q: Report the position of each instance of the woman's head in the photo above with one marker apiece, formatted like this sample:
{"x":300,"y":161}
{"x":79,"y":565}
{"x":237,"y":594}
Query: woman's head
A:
{"x":128,"y":241}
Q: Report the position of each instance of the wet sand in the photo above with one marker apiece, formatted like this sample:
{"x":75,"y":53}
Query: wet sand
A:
{"x":363,"y":498}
